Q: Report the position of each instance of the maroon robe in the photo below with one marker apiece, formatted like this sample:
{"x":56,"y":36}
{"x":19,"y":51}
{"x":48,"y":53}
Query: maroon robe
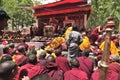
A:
{"x":111,"y":75}
{"x":42,"y":62}
{"x":52,"y":70}
{"x":20,"y":59}
{"x":86,"y":65}
{"x":32,"y":70}
{"x":94,"y":35}
{"x":62,"y":63}
{"x":75,"y":74}
{"x":115,"y":67}
{"x":23,"y":44}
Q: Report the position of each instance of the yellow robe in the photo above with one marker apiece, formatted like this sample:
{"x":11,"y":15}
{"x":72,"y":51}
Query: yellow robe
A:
{"x":85,"y":44}
{"x":56,"y":42}
{"x":69,"y":29}
{"x":113,"y":48}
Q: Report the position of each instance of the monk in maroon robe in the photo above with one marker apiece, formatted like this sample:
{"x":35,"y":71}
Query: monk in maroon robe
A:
{"x":42,"y":59}
{"x":95,"y":33}
{"x":62,"y":61}
{"x":115,"y":67}
{"x":114,"y":63}
{"x":51,"y":68}
{"x":75,"y":73}
{"x":20,"y":57}
{"x":30,"y":69}
{"x":111,"y":75}
{"x":23,"y":44}
{"x":86,"y":63}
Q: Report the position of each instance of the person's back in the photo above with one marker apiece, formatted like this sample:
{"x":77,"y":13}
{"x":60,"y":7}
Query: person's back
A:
{"x":42,"y":59}
{"x":114,"y":63}
{"x":111,"y":75}
{"x":75,"y":73}
{"x":62,"y":61}
{"x":51,"y":68}
{"x":32,"y":68}
{"x":19,"y":57}
{"x":87,"y":64}
{"x":23,"y":43}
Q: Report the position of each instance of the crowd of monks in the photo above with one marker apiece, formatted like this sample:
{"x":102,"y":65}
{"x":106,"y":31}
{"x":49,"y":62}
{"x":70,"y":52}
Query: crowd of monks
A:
{"x":51,"y":62}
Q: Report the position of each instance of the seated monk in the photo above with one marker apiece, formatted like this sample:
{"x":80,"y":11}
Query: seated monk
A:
{"x":31,"y":68}
{"x":114,"y":63}
{"x":75,"y":73}
{"x":62,"y":61}
{"x":51,"y":68}
{"x":86,"y":63}
{"x":110,"y":74}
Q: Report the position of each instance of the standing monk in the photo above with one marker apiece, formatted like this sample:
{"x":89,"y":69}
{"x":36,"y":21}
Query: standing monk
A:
{"x":95,"y":33}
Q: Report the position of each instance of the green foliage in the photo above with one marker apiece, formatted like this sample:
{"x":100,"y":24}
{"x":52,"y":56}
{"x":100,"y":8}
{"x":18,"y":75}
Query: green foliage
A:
{"x":101,"y":10}
{"x":19,"y":14}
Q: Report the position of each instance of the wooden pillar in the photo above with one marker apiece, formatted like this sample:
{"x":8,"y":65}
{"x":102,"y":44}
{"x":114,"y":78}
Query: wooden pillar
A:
{"x":85,"y":20}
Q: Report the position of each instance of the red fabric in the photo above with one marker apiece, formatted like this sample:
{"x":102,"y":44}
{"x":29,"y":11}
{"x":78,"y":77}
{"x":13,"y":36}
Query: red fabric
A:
{"x":111,"y":75}
{"x":62,"y":63}
{"x":52,"y":70}
{"x":20,"y":59}
{"x":75,"y":74}
{"x":32,"y":70}
{"x":115,"y":67}
{"x":94,"y":35}
{"x":86,"y":65}
{"x":23,"y":44}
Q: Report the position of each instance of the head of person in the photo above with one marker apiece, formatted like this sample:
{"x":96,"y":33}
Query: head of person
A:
{"x":33,"y":51}
{"x":42,"y":47}
{"x":74,"y":63}
{"x":8,"y":70}
{"x":101,"y":26}
{"x":12,"y":45}
{"x":75,"y":28}
{"x":32,"y":59}
{"x":24,"y":40}
{"x":21,"y":49}
{"x":50,"y":58}
{"x":3,"y":19}
{"x":6,"y":58}
{"x":58,"y":52}
{"x":114,"y":58}
{"x":86,"y":52}
{"x":43,"y":55}
{"x":6,"y":50}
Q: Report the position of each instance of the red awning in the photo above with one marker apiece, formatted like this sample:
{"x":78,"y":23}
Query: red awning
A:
{"x":58,"y":3}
